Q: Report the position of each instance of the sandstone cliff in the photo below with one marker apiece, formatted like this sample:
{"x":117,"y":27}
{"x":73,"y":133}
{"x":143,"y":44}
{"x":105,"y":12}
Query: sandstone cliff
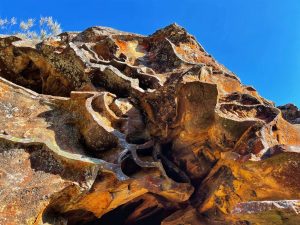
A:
{"x":108,"y":127}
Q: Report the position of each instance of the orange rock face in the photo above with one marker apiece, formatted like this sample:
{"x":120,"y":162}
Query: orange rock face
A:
{"x":109,"y":127}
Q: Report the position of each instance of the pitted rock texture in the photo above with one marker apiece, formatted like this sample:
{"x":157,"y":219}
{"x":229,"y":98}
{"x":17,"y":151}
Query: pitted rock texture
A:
{"x":109,"y":127}
{"x":291,"y":113}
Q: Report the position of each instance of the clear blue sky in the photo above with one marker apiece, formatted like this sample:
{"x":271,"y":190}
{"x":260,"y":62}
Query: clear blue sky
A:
{"x":259,"y":40}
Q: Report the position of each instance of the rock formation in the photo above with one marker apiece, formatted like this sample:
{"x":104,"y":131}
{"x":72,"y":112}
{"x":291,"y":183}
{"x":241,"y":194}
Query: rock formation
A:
{"x":291,"y":113}
{"x":108,"y":127}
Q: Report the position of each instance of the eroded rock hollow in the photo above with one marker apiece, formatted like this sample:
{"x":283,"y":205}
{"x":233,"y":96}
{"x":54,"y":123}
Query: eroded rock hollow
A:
{"x":108,"y":127}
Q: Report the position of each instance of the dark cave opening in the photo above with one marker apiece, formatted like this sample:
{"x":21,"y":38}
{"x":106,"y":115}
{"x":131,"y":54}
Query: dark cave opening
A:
{"x":117,"y":216}
{"x":30,"y":78}
{"x":128,"y":166}
{"x":152,"y":215}
{"x":173,"y":171}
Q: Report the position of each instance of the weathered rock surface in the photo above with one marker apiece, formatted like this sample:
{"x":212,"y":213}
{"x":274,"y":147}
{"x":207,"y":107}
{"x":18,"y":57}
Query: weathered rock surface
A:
{"x":109,"y":127}
{"x":291,"y":113}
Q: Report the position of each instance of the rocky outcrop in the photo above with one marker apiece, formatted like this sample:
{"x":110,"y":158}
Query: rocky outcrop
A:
{"x":291,"y":113}
{"x":109,"y":127}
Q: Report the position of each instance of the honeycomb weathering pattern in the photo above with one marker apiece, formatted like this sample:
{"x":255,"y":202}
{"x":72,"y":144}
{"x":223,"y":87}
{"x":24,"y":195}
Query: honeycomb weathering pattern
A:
{"x":110,"y":127}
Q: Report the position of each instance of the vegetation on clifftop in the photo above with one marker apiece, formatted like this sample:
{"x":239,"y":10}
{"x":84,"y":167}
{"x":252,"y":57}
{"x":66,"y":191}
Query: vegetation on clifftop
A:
{"x":30,"y":28}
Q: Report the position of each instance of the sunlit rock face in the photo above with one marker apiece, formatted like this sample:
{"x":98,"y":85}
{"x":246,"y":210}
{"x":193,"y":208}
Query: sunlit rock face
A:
{"x":108,"y":127}
{"x":291,"y":113}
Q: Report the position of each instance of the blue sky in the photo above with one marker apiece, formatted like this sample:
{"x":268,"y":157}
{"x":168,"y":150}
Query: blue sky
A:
{"x":259,"y":40}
